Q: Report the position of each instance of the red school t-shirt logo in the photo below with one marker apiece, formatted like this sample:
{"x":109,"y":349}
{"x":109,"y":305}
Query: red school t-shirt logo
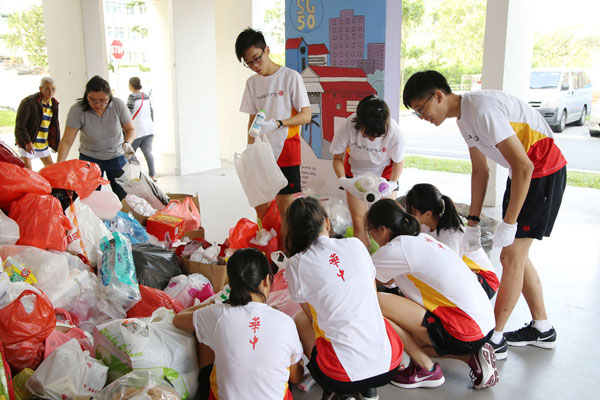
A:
{"x":280,"y":93}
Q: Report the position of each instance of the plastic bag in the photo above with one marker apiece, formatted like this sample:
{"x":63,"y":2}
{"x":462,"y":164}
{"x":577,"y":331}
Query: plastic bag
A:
{"x":259,"y":174}
{"x":186,"y":210}
{"x":154,"y":265}
{"x":128,"y":226}
{"x":240,"y":235}
{"x":62,"y":334}
{"x":187,"y":288}
{"x":17,"y":181}
{"x":69,"y":372}
{"x":136,"y":182}
{"x":103,"y":203}
{"x":272,"y":219}
{"x":152,"y":300}
{"x":151,"y":343}
{"x":279,"y":296}
{"x":19,"y":382}
{"x":9,"y":230}
{"x":6,"y":382}
{"x":87,"y":232}
{"x":140,"y":385}
{"x":80,"y":176}
{"x":117,"y":271}
{"x":265,"y":241}
{"x":24,"y":325}
{"x":8,"y":155}
{"x":339,"y":216}
{"x":41,"y":222}
{"x":139,"y":205}
{"x":209,"y":255}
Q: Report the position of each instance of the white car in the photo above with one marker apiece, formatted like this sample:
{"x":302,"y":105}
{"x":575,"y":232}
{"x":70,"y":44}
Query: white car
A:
{"x":595,"y":121}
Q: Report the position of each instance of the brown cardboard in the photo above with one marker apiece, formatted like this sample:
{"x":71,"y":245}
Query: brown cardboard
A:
{"x":216,"y":274}
{"x":139,"y":217}
{"x":195,"y":234}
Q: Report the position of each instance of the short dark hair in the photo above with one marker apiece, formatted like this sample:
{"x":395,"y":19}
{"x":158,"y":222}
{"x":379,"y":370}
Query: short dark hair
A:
{"x":135,"y":83}
{"x":372,"y":115}
{"x":248,"y":38}
{"x":389,"y":213}
{"x":96,"y":84}
{"x":246,"y":269}
{"x":422,"y":84}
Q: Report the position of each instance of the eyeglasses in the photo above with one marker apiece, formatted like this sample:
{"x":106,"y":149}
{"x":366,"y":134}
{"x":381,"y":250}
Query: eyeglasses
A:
{"x":98,"y":101}
{"x":419,"y":112}
{"x":255,"y":61}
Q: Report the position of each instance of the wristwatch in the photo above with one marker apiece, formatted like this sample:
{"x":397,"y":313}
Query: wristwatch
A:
{"x":473,"y":218}
{"x":279,"y":123}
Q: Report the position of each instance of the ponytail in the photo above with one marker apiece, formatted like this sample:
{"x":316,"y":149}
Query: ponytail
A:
{"x":389,"y":213}
{"x":305,"y":218}
{"x":246,"y":269}
{"x":425,"y":197}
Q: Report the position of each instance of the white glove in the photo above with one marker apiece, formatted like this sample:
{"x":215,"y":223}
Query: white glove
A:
{"x":505,"y":234}
{"x":268,"y":126}
{"x":472,"y":238}
{"x":128,"y":151}
{"x":349,"y":184}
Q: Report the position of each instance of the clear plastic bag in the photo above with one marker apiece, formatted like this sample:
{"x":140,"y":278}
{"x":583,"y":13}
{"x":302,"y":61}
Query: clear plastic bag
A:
{"x":139,"y":385}
{"x":9,"y":230}
{"x":134,"y":181}
{"x":128,"y":226}
{"x":103,"y":203}
{"x":87,"y":231}
{"x":188,"y":288}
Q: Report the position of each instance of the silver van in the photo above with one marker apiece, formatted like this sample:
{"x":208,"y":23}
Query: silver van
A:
{"x":562,"y":95}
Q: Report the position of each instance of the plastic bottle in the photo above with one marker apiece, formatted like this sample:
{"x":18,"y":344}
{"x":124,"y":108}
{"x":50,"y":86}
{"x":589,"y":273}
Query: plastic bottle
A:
{"x":367,"y":183}
{"x":256,"y":124}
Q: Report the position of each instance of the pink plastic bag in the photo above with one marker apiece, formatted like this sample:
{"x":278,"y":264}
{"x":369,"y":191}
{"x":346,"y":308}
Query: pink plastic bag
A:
{"x":186,"y":210}
{"x":57,"y":338}
{"x":279,"y":297}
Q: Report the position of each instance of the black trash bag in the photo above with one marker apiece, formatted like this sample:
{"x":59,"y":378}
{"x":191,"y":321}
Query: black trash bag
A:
{"x":64,"y":196}
{"x":154,"y":266}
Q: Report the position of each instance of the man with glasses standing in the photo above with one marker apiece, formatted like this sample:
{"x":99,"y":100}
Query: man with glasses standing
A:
{"x":36,"y":127}
{"x":281,"y":93}
{"x":101,"y":119}
{"x":504,"y":128}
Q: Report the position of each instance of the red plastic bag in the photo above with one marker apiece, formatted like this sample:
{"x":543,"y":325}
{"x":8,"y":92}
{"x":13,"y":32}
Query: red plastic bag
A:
{"x":6,"y":377}
{"x":271,"y":246}
{"x":41,"y":222}
{"x":8,"y":155}
{"x":24,"y":326}
{"x":57,"y":338}
{"x":186,"y":210}
{"x":272,"y":219}
{"x":80,"y":176}
{"x":152,"y":299}
{"x":17,"y":181}
{"x":240,"y":235}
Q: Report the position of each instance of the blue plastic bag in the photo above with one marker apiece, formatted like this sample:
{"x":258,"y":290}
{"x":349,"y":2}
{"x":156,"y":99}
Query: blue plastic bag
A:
{"x":128,"y":226}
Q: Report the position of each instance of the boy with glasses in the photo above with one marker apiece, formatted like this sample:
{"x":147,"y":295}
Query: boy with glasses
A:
{"x":507,"y":130}
{"x":281,"y":93}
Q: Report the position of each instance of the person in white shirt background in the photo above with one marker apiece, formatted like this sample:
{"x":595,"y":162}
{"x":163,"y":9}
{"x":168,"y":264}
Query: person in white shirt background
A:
{"x":438,"y":217}
{"x":352,"y":348}
{"x":255,"y":348}
{"x":368,"y":141}
{"x":445,"y":312}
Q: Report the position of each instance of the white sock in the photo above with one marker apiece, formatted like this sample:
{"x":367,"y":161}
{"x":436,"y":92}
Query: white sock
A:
{"x":542,"y":325}
{"x":497,"y":337}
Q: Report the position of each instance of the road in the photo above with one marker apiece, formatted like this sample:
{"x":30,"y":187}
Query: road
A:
{"x":422,"y":138}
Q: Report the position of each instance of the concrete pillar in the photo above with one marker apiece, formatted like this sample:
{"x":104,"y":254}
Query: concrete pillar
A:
{"x":507,"y":53}
{"x":393,"y":33}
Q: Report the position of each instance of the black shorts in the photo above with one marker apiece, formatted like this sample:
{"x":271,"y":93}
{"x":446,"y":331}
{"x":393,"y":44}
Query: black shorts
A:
{"x":541,"y":205}
{"x":331,"y":385}
{"x":292,"y":174}
{"x":444,"y":343}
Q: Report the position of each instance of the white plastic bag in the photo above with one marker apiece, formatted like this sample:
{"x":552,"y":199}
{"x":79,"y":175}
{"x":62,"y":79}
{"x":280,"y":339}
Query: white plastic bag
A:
{"x":259,"y":174}
{"x":140,"y":205}
{"x":105,"y":204}
{"x":188,"y":288}
{"x":139,"y":385}
{"x":87,"y":232}
{"x":9,"y":230}
{"x":134,"y":181}
{"x":210,"y":255}
{"x":67,"y":373}
{"x":154,"y":342}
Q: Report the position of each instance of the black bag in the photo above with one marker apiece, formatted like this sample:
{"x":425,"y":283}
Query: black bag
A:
{"x":154,"y":266}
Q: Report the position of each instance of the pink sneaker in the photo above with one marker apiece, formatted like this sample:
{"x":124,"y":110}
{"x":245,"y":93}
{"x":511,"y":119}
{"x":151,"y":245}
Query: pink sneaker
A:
{"x":483,"y":367}
{"x":414,"y":376}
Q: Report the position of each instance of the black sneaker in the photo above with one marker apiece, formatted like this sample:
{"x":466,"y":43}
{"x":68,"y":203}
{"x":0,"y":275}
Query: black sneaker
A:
{"x":500,"y":349}
{"x":530,"y":335}
{"x":369,"y":394}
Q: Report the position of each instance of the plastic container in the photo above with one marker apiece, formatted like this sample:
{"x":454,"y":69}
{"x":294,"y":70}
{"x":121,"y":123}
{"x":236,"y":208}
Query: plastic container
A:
{"x":367,"y":183}
{"x":256,"y":124}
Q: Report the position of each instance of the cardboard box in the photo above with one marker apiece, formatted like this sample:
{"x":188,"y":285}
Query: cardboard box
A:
{"x":195,"y":234}
{"x":216,"y":274}
{"x":139,"y":217}
{"x":159,"y":224}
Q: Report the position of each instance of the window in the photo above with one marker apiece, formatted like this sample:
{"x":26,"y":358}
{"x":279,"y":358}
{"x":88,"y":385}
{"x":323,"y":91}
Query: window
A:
{"x":353,"y":29}
{"x":333,"y":30}
{"x":333,"y":22}
{"x":565,"y":81}
{"x":353,"y":19}
{"x":351,"y":105}
{"x":354,"y":36}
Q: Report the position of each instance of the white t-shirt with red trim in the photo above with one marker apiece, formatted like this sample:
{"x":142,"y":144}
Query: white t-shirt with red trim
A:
{"x":254,"y":347}
{"x":365,"y":155}
{"x":282,"y":95}
{"x":336,"y":277}
{"x":432,"y":275}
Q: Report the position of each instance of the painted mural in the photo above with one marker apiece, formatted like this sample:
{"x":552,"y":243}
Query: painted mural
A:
{"x":338,"y":46}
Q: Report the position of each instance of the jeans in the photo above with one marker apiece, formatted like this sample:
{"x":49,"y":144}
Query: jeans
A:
{"x":145,"y":142}
{"x":113,"y":169}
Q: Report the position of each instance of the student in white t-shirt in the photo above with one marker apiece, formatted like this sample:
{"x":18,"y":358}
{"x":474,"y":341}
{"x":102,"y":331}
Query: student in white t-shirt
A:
{"x":255,"y":348}
{"x":368,"y":141}
{"x":445,"y":312}
{"x":281,"y":93}
{"x":352,"y":348}
{"x":438,"y":217}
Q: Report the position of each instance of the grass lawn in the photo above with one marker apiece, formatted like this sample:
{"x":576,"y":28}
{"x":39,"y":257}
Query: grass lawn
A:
{"x":574,"y":178}
{"x":7,"y":118}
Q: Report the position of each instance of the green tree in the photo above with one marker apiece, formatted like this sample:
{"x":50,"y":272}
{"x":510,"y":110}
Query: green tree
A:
{"x":27,"y":34}
{"x":413,"y":12}
{"x":275,"y":22}
{"x":564,"y":48}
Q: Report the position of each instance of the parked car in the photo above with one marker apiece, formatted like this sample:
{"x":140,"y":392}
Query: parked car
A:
{"x":595,"y":121}
{"x":562,"y":96}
